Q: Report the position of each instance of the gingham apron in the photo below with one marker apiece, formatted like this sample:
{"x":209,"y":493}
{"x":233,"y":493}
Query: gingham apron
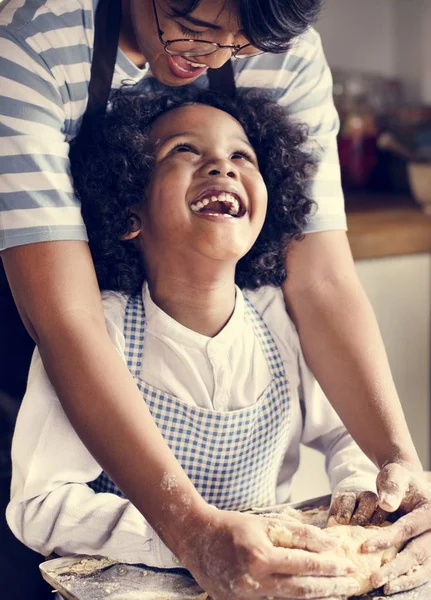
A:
{"x":233,"y":458}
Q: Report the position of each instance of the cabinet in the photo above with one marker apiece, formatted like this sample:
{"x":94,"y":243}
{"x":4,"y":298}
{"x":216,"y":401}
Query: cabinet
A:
{"x":399,"y":289}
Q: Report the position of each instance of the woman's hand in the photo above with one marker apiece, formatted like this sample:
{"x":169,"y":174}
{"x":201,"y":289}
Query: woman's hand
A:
{"x":408,"y":491}
{"x":232,"y":558}
{"x":357,"y":508}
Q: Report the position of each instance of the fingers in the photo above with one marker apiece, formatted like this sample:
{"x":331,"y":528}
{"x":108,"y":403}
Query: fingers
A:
{"x":379,"y":516}
{"x":307,"y":588}
{"x":343,"y":507}
{"x":416,"y":553}
{"x":367,"y":505}
{"x":407,"y":527}
{"x":297,"y":535}
{"x":411,"y":580}
{"x":301,"y":562}
{"x":392,"y":484}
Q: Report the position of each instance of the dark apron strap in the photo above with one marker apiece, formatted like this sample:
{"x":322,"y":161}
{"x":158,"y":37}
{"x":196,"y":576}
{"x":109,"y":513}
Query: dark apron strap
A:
{"x":107,"y":25}
{"x":223,"y":79}
{"x":16,"y":346}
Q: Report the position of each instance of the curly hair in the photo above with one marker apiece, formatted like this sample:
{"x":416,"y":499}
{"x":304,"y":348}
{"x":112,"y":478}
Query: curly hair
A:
{"x":112,"y":164}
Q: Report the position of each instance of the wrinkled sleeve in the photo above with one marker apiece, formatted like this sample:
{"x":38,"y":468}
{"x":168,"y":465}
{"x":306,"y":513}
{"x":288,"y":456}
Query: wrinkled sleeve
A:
{"x":52,"y":509}
{"x":308,"y":98}
{"x":348,"y":468}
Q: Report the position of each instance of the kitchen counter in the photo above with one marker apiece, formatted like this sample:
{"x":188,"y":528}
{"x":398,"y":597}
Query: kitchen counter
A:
{"x":386,"y":225}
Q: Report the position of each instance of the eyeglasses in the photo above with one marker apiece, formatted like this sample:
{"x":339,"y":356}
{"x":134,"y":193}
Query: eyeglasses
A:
{"x":190,"y":47}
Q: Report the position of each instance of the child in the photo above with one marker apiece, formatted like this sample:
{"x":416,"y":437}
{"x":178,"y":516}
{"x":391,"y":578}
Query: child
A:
{"x":174,"y":194}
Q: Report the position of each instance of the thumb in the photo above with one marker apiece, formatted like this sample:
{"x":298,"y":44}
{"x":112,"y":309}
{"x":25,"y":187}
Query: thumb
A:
{"x":392,"y":484}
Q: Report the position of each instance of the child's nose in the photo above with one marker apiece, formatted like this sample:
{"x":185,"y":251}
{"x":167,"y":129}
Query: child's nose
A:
{"x":221,"y":168}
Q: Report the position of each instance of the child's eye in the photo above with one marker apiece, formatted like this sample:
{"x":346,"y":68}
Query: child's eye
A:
{"x":189,"y":32}
{"x":184,"y":148}
{"x":242,"y":154}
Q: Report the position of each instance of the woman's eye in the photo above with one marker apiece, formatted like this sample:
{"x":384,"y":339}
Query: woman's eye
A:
{"x":189,"y":32}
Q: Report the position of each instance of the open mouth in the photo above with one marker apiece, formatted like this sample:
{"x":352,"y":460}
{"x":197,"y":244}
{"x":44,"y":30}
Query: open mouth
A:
{"x":184,"y":68}
{"x":219,"y":203}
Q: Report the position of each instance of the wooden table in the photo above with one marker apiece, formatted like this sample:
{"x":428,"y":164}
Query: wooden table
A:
{"x":386,"y":225}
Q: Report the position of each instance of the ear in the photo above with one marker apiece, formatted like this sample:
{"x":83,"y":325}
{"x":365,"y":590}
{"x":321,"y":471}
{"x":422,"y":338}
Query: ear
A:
{"x":134,"y":227}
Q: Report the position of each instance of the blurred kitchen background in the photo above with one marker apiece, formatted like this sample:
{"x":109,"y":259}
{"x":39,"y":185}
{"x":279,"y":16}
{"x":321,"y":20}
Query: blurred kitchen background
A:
{"x":380,"y":55}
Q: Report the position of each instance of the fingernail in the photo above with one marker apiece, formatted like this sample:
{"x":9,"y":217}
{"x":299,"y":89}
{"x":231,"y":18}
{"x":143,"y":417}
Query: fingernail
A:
{"x":388,"y":502}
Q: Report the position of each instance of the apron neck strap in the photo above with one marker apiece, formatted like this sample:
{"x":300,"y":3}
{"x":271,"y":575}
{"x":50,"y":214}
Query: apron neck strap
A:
{"x":106,"y":36}
{"x":223,"y":80}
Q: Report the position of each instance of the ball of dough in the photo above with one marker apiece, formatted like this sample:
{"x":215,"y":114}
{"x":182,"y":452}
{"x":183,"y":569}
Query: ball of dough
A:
{"x":350,"y":538}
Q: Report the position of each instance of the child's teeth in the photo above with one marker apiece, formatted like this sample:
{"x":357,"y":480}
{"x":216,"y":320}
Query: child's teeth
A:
{"x":231,"y":201}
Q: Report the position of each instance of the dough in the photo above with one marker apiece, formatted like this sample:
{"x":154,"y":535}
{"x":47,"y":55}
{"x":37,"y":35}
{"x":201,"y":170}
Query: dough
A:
{"x":351,"y":538}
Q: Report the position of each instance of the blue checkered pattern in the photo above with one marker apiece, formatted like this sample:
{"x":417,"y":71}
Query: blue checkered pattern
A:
{"x":232,"y":458}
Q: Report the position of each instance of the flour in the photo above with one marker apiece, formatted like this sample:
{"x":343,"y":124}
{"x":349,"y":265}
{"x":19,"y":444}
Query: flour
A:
{"x":350,"y":538}
{"x":86,"y":566}
{"x":169,"y":482}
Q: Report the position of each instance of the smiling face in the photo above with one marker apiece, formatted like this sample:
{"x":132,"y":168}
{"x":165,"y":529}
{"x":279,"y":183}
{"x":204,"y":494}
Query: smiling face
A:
{"x":207,"y":200}
{"x":212,"y":20}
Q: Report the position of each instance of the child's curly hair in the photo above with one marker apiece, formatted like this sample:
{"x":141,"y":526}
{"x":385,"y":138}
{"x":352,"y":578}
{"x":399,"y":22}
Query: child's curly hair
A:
{"x":112,"y":163}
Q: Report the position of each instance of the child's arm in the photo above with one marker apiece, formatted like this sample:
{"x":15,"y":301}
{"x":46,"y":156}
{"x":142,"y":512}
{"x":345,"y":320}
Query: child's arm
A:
{"x":51,"y":508}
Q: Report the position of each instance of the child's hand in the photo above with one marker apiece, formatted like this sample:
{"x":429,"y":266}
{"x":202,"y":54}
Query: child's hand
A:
{"x":231,"y":557}
{"x":357,"y":508}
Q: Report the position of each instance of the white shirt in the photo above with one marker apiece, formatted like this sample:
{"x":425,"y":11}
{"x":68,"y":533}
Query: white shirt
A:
{"x":53,"y":510}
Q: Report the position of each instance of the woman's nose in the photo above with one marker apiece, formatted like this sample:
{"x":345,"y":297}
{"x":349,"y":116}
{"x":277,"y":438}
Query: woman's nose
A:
{"x":219,"y":58}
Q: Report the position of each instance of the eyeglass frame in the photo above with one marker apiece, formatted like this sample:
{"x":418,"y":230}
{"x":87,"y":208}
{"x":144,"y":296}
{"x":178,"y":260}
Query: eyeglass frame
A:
{"x":235,"y":48}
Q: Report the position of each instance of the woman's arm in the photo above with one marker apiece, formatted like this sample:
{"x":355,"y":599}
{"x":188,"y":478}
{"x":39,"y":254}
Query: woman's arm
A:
{"x":55,"y":289}
{"x":342,"y":344}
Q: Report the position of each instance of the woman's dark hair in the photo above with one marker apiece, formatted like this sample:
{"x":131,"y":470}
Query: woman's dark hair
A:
{"x":269,"y":25}
{"x":112,"y":163}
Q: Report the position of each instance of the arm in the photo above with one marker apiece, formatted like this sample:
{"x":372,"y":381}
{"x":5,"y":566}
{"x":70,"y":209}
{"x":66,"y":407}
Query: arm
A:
{"x":52,"y":509}
{"x":57,"y":295}
{"x":343,"y":347}
{"x":52,"y":278}
{"x":347,"y":466}
{"x":348,"y":357}
{"x":338,"y":330}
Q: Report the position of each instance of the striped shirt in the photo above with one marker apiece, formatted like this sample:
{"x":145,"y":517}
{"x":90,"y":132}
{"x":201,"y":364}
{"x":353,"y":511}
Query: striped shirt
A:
{"x":46,"y":49}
